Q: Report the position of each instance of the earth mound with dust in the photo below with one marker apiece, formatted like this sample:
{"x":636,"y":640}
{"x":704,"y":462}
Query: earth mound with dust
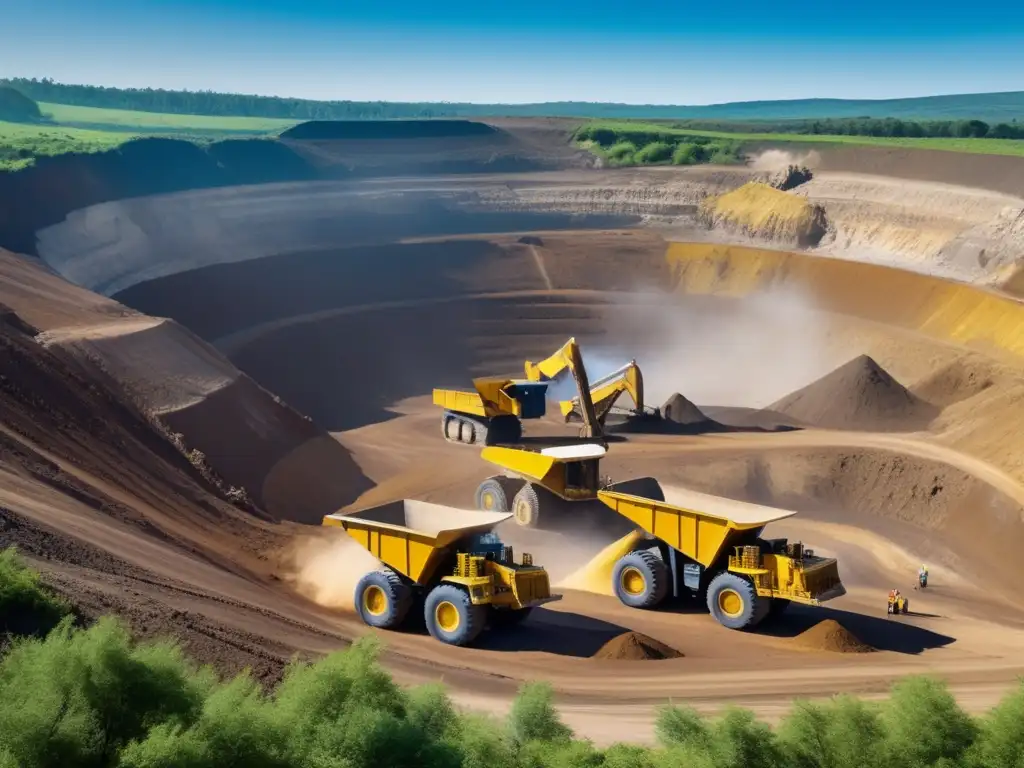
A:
{"x":830,"y":635}
{"x":634,"y":646}
{"x":679,"y":410}
{"x":858,"y":395}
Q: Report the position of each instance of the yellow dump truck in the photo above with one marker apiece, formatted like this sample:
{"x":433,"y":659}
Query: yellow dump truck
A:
{"x":541,"y":484}
{"x":447,"y":562}
{"x":712,"y":548}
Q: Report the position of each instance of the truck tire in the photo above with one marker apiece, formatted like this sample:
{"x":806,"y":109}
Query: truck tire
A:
{"x":526,"y":507}
{"x":382,"y":600}
{"x":451,"y":617}
{"x":491,"y":497}
{"x":450,"y":428}
{"x":733,"y":602}
{"x":640,"y":579}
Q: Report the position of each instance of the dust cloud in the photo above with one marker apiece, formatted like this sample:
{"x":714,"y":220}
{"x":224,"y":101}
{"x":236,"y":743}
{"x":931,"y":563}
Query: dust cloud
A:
{"x":780,"y":160}
{"x":326,"y":568}
{"x":745,"y":352}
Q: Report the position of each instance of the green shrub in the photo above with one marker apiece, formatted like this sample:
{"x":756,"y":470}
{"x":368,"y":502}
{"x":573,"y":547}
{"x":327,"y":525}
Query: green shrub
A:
{"x":925,"y":726}
{"x":655,"y":152}
{"x":91,"y":694}
{"x":1001,"y":735}
{"x":843,"y":733}
{"x":620,"y":154}
{"x":534,"y":717}
{"x":687,"y":153}
{"x":26,"y":606}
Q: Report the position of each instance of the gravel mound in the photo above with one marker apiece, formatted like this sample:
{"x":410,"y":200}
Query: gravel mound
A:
{"x":633,"y":646}
{"x":830,"y":635}
{"x":858,"y":395}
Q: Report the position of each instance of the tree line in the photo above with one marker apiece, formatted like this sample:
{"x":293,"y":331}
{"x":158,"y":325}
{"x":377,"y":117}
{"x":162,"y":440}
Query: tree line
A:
{"x":219,"y":104}
{"x":866,"y":126}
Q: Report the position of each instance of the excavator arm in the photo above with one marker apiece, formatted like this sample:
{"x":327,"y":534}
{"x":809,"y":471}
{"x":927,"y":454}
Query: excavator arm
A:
{"x":568,"y":358}
{"x":606,"y":391}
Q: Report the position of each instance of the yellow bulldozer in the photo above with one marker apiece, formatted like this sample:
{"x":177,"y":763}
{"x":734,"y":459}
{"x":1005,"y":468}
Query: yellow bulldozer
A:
{"x":712,"y":548}
{"x":493,"y":413}
{"x":445,"y":562}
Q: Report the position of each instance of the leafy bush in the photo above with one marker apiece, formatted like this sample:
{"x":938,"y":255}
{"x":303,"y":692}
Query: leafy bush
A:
{"x":26,"y":607}
{"x":621,"y":153}
{"x":655,"y":152}
{"x":687,"y":153}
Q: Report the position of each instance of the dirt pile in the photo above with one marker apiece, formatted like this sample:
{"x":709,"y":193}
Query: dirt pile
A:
{"x":634,"y":646}
{"x":679,"y":410}
{"x":955,"y":382}
{"x":761,"y":211}
{"x":830,"y":635}
{"x":859,"y":395}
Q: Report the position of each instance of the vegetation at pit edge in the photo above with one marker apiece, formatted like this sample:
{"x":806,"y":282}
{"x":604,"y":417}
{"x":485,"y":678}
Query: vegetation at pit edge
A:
{"x":992,"y":107}
{"x":604,"y":135}
{"x":638,"y":148}
{"x":125,"y":119}
{"x":94,"y":698}
{"x":22,"y":143}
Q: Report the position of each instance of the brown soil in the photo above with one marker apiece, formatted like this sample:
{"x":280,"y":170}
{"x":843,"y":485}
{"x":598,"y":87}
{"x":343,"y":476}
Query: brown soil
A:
{"x":830,"y":635}
{"x":634,"y":646}
{"x":960,"y":380}
{"x":858,"y":395}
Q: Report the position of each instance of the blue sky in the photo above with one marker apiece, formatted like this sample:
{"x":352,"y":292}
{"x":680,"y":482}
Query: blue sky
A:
{"x":654,"y":52}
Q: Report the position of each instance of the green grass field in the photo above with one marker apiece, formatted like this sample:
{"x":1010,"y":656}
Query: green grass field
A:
{"x":21,"y":144}
{"x":123,"y":119}
{"x":634,"y":131}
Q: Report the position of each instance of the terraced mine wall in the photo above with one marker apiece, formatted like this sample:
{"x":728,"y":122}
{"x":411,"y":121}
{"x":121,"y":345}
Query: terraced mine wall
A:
{"x":960,"y":313}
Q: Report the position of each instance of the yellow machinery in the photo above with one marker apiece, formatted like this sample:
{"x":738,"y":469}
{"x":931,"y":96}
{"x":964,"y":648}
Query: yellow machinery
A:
{"x":604,"y":392}
{"x":898,"y":603}
{"x":446,"y":560}
{"x":493,"y":413}
{"x":712,"y":547}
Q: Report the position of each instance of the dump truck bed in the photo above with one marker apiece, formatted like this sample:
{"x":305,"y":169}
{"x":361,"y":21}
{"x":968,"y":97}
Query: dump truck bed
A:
{"x":413,"y":536}
{"x":698,"y":525}
{"x":740,"y":512}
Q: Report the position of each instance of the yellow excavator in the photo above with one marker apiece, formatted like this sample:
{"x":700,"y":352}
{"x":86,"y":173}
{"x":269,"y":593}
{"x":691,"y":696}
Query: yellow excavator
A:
{"x":604,"y":392}
{"x":493,"y":414}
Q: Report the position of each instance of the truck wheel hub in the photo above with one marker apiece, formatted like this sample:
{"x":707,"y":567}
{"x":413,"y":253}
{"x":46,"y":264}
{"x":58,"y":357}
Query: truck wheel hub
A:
{"x":730,"y":602}
{"x":632,"y":581}
{"x":523,"y":513}
{"x":374,"y":600}
{"x":447,"y":616}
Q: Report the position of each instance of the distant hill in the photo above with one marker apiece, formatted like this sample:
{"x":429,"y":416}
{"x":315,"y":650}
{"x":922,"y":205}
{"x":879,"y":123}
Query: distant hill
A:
{"x":991,"y":107}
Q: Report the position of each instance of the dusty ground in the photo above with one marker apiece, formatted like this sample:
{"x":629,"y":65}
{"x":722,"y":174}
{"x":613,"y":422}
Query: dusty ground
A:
{"x":352,"y":332}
